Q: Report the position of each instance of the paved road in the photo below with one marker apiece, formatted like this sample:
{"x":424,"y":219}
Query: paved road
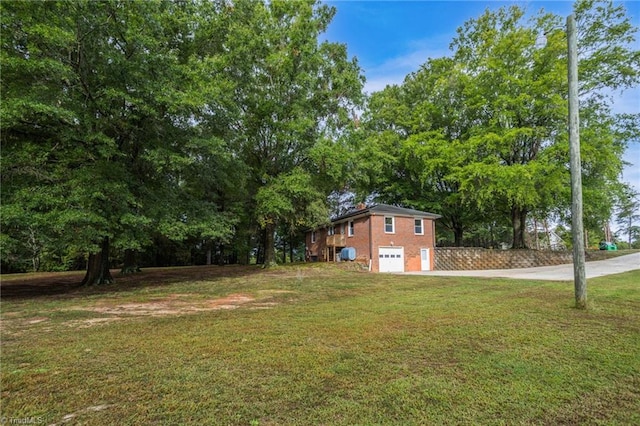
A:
{"x":552,"y":273}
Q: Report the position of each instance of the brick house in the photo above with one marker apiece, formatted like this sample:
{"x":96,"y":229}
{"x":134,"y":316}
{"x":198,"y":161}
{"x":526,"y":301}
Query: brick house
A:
{"x":386,"y":238}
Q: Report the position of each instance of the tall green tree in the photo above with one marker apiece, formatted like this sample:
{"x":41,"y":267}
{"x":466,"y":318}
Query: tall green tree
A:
{"x":440,"y":122}
{"x":483,"y":134}
{"x":517,"y":109}
{"x":293,"y":94}
{"x":520,"y":102}
{"x":99,"y":100}
{"x":413,"y":135}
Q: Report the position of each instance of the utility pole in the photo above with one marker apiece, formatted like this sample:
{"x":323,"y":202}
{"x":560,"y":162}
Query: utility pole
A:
{"x":577,"y":228}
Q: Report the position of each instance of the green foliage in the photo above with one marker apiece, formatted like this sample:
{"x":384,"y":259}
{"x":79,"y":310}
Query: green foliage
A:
{"x":211,"y":124}
{"x":293,"y":95}
{"x":291,"y":198}
{"x":133,"y":120}
{"x":629,"y":215}
{"x":484,"y":133}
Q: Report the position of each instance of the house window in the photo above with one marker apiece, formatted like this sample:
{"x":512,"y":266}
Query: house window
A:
{"x":313,"y":237}
{"x":389,"y":227}
{"x":418,"y":229}
{"x":332,"y":230}
{"x":351,"y":229}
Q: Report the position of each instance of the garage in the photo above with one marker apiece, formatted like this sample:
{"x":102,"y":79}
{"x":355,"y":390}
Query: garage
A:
{"x":391,"y":259}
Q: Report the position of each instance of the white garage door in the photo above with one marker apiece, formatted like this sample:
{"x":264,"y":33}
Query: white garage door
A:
{"x":391,"y":259}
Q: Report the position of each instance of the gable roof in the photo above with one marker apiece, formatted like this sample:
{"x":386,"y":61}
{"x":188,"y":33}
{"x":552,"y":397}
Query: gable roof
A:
{"x":386,"y":209}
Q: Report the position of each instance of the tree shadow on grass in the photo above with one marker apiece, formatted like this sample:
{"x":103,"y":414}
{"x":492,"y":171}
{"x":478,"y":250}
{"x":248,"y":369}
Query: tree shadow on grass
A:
{"x":68,"y":284}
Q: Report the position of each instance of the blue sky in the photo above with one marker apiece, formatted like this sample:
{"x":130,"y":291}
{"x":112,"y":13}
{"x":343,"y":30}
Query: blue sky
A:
{"x":393,"y":38}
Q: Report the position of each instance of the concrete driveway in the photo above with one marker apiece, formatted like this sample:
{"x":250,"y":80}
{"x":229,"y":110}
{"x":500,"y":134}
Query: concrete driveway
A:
{"x":593,"y":269}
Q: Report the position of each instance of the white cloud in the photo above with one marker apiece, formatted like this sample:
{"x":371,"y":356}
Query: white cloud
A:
{"x":395,"y":69}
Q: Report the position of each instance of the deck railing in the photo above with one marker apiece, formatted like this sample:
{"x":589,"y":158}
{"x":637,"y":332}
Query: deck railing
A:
{"x":337,"y":240}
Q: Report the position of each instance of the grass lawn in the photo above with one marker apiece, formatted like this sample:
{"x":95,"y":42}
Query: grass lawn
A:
{"x":314,"y":344}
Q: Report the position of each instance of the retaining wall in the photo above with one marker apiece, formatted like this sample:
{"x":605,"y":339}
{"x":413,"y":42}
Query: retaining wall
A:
{"x":471,"y":258}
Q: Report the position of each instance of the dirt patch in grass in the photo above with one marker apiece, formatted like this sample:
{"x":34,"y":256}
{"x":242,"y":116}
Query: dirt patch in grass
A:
{"x":175,"y":304}
{"x":82,"y":413}
{"x":108,"y":310}
{"x":132,"y":296}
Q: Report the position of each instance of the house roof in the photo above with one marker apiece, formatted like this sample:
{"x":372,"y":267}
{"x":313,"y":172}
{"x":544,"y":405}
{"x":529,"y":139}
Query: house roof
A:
{"x":386,"y":209}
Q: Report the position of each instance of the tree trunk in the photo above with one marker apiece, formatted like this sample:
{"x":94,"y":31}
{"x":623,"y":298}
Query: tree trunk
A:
{"x":130,"y":263}
{"x":492,"y":237}
{"x":457,"y":235}
{"x":269,"y":246}
{"x":244,"y":248}
{"x":607,"y":232}
{"x":518,"y":221}
{"x":458,"y":232}
{"x":221,"y":259}
{"x":98,"y":266}
{"x":209,"y":245}
{"x":35,"y":250}
{"x":291,"y":249}
{"x":284,"y":251}
{"x":260,"y":250}
{"x":546,"y":230}
{"x":586,"y":238}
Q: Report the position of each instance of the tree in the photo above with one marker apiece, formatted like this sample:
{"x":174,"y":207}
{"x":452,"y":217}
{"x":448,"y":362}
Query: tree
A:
{"x":483,"y":134}
{"x":517,"y":111}
{"x":519,"y":101}
{"x":412,"y":142}
{"x":290,"y":199}
{"x":292,"y":95}
{"x":629,"y":214}
{"x":36,"y":121}
{"x":100,"y":99}
{"x":440,"y":122}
